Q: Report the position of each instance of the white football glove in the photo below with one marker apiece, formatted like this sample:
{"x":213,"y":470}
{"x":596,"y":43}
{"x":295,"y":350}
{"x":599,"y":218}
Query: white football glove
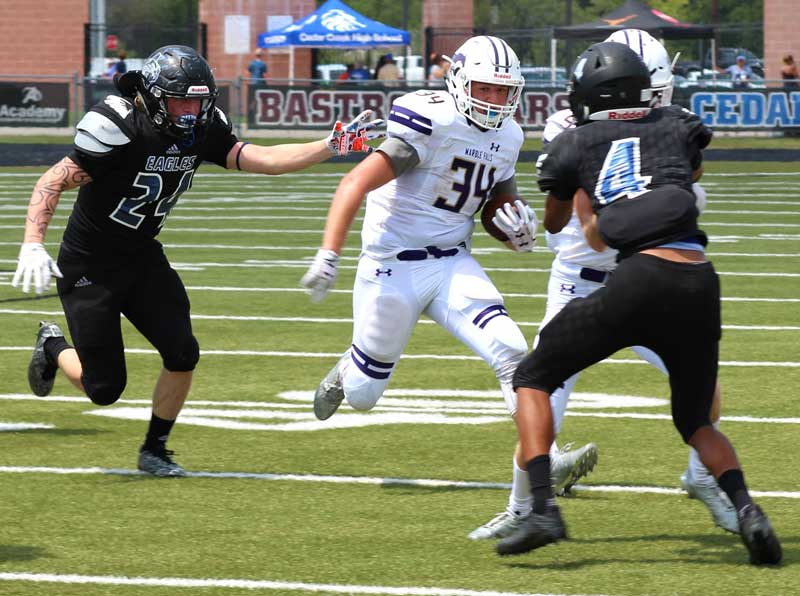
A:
{"x":354,"y":136}
{"x":519,"y":223}
{"x":321,"y":276}
{"x":34,"y":262}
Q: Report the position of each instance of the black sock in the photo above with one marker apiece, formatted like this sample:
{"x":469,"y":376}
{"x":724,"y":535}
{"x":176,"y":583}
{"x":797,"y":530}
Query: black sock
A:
{"x":53,"y":346}
{"x":732,"y":482}
{"x":539,"y":475}
{"x":157,"y":433}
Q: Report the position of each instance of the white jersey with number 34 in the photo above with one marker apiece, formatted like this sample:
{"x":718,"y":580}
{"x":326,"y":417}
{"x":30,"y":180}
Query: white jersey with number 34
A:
{"x":433,"y":204}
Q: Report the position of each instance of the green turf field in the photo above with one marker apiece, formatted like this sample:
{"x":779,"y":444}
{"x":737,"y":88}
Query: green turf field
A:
{"x":283,"y":504}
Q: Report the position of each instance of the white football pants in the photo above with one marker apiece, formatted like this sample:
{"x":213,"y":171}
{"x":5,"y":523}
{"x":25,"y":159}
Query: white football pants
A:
{"x":389,"y":296}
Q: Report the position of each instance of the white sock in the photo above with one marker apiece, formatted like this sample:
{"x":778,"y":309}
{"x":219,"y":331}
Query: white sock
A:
{"x":520,"y":501}
{"x":697,"y":470}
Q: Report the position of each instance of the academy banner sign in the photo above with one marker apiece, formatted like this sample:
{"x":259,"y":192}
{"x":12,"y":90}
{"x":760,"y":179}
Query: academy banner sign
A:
{"x":281,"y":107}
{"x":34,"y":104}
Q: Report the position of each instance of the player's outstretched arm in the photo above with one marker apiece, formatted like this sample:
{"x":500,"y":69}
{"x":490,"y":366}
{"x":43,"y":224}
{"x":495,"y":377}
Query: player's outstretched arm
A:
{"x":280,"y":159}
{"x":375,"y":171}
{"x":34,"y":264}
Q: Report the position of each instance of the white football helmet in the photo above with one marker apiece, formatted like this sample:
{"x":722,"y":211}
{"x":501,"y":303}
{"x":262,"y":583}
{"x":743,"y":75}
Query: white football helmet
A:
{"x":655,"y":57}
{"x":484,"y":59}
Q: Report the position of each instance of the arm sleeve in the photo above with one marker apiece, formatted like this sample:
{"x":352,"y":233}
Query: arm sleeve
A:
{"x":401,"y":153}
{"x":558,"y":168}
{"x":220,"y":139}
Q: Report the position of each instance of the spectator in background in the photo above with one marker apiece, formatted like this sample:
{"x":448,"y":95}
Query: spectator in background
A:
{"x":120,"y":66}
{"x":346,"y":74}
{"x":378,"y":65}
{"x":388,"y":73}
{"x":117,"y":66}
{"x":359,"y":73}
{"x":437,"y":70}
{"x":790,"y":74}
{"x":257,"y":69}
{"x":740,"y":73}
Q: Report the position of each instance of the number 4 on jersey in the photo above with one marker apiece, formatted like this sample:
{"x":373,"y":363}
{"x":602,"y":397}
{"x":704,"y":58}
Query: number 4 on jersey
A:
{"x":621,"y":174}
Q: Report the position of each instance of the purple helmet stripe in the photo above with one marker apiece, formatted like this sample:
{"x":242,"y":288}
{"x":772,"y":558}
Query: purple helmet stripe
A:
{"x":505,"y":49}
{"x":496,"y":53}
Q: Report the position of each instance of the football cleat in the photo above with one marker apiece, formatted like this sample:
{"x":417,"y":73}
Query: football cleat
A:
{"x":158,"y":462}
{"x":718,"y":503}
{"x":759,"y":537}
{"x":330,"y":393}
{"x":41,"y":371}
{"x":535,"y":531}
{"x":568,"y":466}
{"x":502,"y":525}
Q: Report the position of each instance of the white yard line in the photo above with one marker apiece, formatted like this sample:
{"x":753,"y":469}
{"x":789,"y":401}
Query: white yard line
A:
{"x":505,"y":294}
{"x":366,"y":480}
{"x":457,"y":357}
{"x":304,"y":263}
{"x":250,"y":584}
{"x":327,"y":320}
{"x":476,"y":251}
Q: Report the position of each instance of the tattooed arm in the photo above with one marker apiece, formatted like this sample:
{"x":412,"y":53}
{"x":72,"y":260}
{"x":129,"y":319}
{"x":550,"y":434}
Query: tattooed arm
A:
{"x":35,"y":266}
{"x":64,"y":175}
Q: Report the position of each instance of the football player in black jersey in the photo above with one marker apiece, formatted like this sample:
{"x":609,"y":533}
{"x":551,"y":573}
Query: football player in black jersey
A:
{"x":629,"y":169}
{"x":134,"y":154}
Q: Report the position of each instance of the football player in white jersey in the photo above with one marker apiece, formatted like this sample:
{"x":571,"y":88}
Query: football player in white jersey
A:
{"x":446,"y":153}
{"x":576,"y":272}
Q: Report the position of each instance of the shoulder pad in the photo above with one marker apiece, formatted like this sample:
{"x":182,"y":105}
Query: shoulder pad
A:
{"x":120,"y":106}
{"x":513,"y":132}
{"x":697,"y":131}
{"x":431,"y":107}
{"x":556,"y":124}
{"x":97,"y":133}
{"x":222,"y":118}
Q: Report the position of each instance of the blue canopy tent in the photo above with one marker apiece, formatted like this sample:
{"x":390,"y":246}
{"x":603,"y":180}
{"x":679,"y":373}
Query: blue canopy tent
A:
{"x":333,"y":25}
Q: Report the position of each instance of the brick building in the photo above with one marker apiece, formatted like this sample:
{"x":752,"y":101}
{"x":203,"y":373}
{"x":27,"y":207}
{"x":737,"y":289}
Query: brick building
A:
{"x":50,"y":41}
{"x":780,"y":35}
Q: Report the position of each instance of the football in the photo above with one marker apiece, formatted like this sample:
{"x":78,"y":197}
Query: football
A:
{"x":490,"y":208}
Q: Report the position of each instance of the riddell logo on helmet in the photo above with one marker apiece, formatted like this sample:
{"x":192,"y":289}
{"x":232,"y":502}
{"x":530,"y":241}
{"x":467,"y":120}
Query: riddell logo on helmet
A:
{"x":627,"y":115}
{"x":501,"y":75}
{"x":197,"y":90}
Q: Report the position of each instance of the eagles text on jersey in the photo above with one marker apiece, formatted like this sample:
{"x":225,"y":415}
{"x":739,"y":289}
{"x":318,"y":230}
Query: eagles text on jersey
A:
{"x":137,"y":174}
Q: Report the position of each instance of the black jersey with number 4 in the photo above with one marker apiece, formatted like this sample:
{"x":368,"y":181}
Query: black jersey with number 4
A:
{"x":138,"y":174}
{"x":638,"y":174}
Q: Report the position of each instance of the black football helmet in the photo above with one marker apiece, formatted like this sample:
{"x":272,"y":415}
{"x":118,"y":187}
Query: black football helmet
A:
{"x":176,"y":71}
{"x":609,"y":81}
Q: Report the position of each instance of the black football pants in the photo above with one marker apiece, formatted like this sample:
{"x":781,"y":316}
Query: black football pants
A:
{"x":671,"y":308}
{"x":150,"y":295}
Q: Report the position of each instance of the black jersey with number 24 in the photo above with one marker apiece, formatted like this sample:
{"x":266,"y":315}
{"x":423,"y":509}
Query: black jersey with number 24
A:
{"x":138,"y":174}
{"x":638,"y":174}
